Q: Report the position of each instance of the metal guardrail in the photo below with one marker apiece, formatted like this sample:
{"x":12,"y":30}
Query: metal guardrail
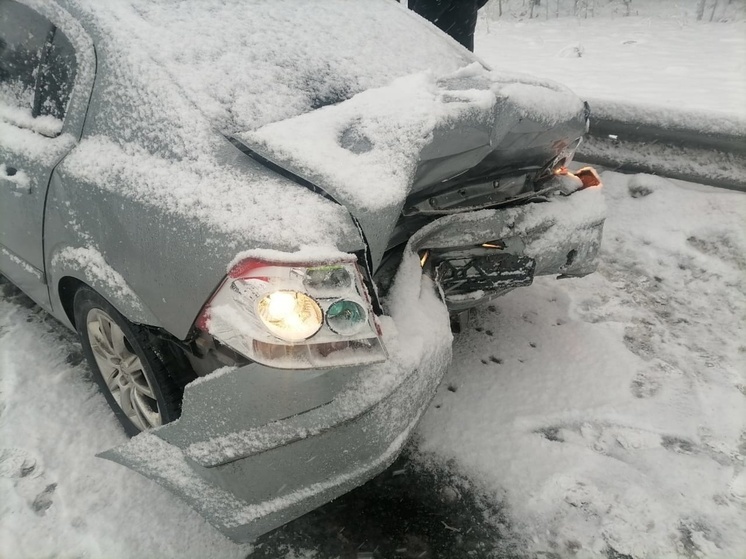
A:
{"x":717,"y":159}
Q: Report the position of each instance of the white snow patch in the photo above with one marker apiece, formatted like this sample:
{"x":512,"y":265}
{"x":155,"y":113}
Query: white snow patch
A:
{"x":306,"y":254}
{"x":664,"y":69}
{"x":46,"y":125}
{"x":387,"y":128}
{"x":610,"y":410}
{"x":98,"y":273}
{"x":368,"y":147}
{"x":56,"y":497}
{"x":285,"y":59}
{"x":32,"y":146}
{"x":268,"y":210}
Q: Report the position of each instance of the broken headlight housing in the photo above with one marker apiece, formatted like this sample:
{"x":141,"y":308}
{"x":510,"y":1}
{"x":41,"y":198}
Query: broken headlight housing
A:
{"x":295,"y":316}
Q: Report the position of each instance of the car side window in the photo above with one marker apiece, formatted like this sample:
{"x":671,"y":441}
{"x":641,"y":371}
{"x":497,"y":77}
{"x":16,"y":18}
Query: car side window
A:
{"x":23,"y":36}
{"x":37,"y":69}
{"x":56,"y":78}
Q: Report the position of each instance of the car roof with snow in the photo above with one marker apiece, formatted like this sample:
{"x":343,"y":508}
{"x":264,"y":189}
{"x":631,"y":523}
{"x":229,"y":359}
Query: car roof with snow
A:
{"x":249,"y":63}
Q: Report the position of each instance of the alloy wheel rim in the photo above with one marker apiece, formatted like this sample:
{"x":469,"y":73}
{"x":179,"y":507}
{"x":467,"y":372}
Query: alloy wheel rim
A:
{"x":122,"y":371}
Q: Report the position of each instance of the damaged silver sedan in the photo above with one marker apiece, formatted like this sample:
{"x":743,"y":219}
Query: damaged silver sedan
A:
{"x":263,"y":224}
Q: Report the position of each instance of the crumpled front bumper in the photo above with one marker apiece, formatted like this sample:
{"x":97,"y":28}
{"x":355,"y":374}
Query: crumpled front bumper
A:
{"x":257,"y":447}
{"x":559,"y":235}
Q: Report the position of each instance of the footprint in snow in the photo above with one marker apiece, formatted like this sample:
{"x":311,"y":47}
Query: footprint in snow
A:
{"x":31,"y":484}
{"x":618,"y":441}
{"x":738,"y":486}
{"x":614,"y":440}
{"x":18,"y":463}
{"x":649,"y":381}
{"x":677,"y":444}
{"x":43,"y":500}
{"x":697,"y":538}
{"x":74,"y":358}
{"x":639,"y":190}
{"x":643,"y":386}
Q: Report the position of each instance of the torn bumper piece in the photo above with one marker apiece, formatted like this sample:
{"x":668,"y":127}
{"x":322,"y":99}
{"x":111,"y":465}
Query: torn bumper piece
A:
{"x":246,"y":478}
{"x":480,"y":255}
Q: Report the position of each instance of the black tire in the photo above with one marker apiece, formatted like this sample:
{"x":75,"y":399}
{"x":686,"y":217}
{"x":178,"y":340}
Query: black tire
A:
{"x":152,"y":372}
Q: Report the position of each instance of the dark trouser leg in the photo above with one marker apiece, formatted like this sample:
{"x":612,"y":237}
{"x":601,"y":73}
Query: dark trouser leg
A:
{"x":460,"y":21}
{"x":458,"y":18}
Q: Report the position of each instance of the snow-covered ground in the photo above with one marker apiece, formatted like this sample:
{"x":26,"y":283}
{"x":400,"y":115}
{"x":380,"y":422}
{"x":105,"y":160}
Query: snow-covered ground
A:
{"x":610,"y":411}
{"x":656,"y":64}
{"x":607,"y":413}
{"x":56,"y":498}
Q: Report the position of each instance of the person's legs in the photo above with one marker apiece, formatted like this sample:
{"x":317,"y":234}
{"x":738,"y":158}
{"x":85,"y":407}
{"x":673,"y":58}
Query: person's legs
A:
{"x":462,"y":19}
{"x":431,"y":10}
{"x":458,"y":18}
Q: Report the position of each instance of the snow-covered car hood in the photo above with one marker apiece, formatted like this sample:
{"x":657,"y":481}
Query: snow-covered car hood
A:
{"x":246,"y":63}
{"x":350,"y":94}
{"x":365,"y":152}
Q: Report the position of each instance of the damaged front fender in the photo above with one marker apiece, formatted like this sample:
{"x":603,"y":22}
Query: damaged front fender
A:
{"x":256,"y":447}
{"x":477,"y":256}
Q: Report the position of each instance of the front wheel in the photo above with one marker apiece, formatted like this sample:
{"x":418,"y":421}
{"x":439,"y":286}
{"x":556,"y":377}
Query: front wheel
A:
{"x":130,"y":365}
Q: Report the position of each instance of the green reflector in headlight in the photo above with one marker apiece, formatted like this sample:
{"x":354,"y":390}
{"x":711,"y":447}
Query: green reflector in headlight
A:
{"x":346,"y":317}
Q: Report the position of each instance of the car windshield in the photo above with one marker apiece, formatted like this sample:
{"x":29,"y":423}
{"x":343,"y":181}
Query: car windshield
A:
{"x":246,"y":63}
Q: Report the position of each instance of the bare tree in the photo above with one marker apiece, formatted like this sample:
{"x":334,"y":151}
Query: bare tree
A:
{"x":714,"y":7}
{"x":701,"y":9}
{"x":535,"y":4}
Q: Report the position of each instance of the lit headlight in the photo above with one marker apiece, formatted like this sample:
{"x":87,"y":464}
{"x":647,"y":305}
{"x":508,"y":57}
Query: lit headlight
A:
{"x":295,"y":316}
{"x":290,"y":315}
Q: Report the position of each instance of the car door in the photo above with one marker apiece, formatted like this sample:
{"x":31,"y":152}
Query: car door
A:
{"x":37,"y":73}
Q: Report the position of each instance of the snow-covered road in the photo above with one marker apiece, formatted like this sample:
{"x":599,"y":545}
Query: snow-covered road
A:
{"x":610,"y":411}
{"x":658,"y":65}
{"x":605,"y":413}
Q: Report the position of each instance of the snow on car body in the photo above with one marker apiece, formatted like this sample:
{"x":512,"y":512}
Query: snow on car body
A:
{"x":288,"y":208}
